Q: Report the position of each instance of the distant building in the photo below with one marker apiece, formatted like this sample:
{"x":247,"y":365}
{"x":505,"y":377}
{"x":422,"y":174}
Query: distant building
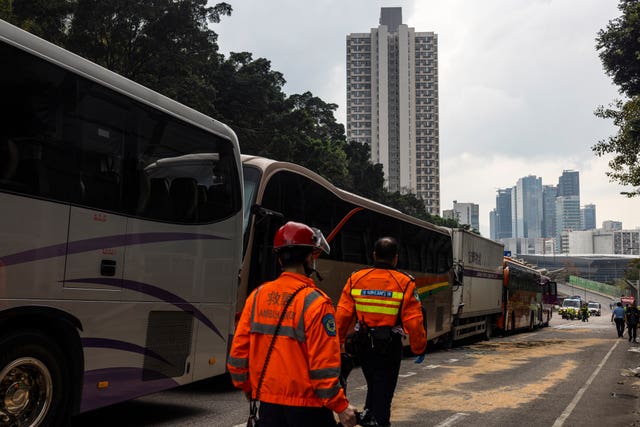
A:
{"x":569,"y":183}
{"x":611,"y":225}
{"x":526,"y":207}
{"x":568,"y":203}
{"x":618,"y":242}
{"x":464,"y":213}
{"x":392,"y":104}
{"x":503,"y":220}
{"x":626,"y":242}
{"x":492,"y":224}
{"x":601,"y":268}
{"x":588,"y":217}
{"x":549,"y":194}
{"x":603,"y":242}
{"x":577,"y":242}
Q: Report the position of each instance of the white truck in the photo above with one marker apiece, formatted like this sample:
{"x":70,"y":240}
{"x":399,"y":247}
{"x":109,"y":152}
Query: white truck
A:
{"x":477,"y":284}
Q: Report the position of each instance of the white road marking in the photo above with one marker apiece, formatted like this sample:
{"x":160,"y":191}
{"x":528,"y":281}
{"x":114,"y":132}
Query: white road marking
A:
{"x":452,"y":419}
{"x":569,"y":409}
{"x":408,"y":374}
{"x":451,"y":360}
{"x":431,"y":367}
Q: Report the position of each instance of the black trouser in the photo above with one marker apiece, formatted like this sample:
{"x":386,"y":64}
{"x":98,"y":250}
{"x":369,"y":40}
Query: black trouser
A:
{"x":272,"y":415}
{"x":633,"y":327}
{"x":619,"y":325}
{"x":381,"y":372}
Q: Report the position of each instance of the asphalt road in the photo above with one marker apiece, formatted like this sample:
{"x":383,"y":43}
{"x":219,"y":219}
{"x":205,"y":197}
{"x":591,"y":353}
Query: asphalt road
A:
{"x":572,"y":373}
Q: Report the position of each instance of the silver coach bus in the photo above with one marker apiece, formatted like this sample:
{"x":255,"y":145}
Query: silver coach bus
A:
{"x":120,"y":236}
{"x":276,"y":192}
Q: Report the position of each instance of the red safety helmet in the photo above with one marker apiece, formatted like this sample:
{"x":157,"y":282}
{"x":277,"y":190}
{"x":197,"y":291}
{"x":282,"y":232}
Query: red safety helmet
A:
{"x":297,"y":234}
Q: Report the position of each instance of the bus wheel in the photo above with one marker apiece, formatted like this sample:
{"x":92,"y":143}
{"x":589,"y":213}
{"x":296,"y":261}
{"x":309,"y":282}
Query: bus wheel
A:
{"x":33,"y":381}
{"x":488,"y":328}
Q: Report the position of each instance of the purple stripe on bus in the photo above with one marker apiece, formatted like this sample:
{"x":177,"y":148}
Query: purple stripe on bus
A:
{"x":482,"y":274}
{"x":123,"y":346}
{"x":156,"y":292}
{"x":124,"y":384}
{"x":87,"y":245}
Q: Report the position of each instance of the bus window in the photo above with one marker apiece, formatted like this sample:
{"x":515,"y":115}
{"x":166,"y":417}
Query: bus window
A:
{"x":194,"y":188}
{"x":96,"y":126}
{"x":39,"y":161}
{"x":352,"y":247}
{"x":251,"y":182}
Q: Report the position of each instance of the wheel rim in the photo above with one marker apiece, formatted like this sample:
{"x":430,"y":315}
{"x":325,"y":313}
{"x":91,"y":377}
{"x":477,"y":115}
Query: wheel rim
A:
{"x":26,"y":391}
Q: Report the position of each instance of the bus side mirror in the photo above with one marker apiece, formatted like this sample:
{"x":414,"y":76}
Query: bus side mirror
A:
{"x":262,"y":213}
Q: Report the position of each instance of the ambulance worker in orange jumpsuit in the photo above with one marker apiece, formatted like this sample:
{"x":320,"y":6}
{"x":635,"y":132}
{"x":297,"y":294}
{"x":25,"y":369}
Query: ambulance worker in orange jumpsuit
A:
{"x":301,"y":384}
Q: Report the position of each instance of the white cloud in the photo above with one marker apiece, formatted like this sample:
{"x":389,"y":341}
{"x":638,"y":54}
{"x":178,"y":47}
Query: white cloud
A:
{"x":518,"y":79}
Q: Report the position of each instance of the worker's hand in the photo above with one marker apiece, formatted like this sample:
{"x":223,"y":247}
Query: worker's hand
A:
{"x":348,"y":417}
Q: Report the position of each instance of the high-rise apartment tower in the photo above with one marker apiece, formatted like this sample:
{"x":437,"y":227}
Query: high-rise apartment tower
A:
{"x":392,"y":104}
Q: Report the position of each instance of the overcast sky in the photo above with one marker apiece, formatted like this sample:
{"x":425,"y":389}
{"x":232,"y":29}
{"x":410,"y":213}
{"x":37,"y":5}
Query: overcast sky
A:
{"x":519,"y":81}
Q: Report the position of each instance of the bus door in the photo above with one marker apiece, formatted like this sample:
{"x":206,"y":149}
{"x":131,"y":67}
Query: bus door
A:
{"x":95,"y":253}
{"x":96,"y":241}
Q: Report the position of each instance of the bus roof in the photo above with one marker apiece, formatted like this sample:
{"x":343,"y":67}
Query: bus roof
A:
{"x":50,"y":52}
{"x":270,"y":166}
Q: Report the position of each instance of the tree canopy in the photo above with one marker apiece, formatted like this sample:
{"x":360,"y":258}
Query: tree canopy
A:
{"x":619,"y":50}
{"x":170,"y":47}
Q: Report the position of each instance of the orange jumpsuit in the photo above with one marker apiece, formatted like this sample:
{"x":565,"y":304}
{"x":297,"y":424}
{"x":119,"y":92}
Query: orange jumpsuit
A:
{"x":304,"y":367}
{"x":381,"y":297}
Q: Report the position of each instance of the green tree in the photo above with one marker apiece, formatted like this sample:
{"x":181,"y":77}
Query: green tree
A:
{"x":632,"y":272}
{"x":313,"y":137}
{"x":48,"y":19}
{"x":363,"y":177}
{"x":619,"y":49}
{"x":163,"y":44}
{"x":251,"y":100}
{"x":625,"y":145}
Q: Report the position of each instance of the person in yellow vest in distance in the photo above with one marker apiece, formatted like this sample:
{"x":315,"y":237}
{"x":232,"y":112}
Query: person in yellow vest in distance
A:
{"x":377,"y":307}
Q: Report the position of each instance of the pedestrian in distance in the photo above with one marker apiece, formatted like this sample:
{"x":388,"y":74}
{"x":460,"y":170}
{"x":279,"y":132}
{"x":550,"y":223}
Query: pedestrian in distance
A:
{"x":584,"y":312}
{"x":285,"y":352}
{"x":376,"y":307}
{"x":632,"y":316}
{"x":618,"y":315}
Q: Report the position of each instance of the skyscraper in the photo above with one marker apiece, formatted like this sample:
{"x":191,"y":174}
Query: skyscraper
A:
{"x":503,"y":214}
{"x":588,"y":217}
{"x":568,"y":203}
{"x":569,"y":183}
{"x":526,"y":207}
{"x":392,"y":104}
{"x":549,"y":194}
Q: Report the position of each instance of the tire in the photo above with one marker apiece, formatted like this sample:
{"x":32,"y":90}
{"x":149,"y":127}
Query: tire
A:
{"x":34,"y":381}
{"x":488,"y":331}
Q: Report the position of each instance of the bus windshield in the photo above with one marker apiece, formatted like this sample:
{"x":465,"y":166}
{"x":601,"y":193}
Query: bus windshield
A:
{"x":251,"y":180}
{"x":572,"y":303}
